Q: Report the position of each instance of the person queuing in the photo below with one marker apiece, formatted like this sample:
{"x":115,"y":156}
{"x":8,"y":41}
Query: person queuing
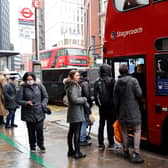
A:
{"x":85,"y":85}
{"x":140,"y":76}
{"x":33,"y":99}
{"x":103,"y":95}
{"x":3,"y":110}
{"x":127,"y":92}
{"x":75,"y":115}
{"x":10,"y":101}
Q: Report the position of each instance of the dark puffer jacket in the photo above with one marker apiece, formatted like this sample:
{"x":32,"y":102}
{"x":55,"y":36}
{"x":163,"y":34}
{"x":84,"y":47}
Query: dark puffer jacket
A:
{"x":103,"y":88}
{"x":10,"y":96}
{"x":76,"y":102}
{"x":39,"y":97}
{"x":126,"y":94}
{"x":85,"y":85}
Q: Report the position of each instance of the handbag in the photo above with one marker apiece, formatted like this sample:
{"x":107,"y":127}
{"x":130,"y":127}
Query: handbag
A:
{"x":91,"y":119}
{"x":117,"y":131}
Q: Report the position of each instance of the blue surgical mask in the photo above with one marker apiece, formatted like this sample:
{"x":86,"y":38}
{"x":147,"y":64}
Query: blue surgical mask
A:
{"x":30,"y":82}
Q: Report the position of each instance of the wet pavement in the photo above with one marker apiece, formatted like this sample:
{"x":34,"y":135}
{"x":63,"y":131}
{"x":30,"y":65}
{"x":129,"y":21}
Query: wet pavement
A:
{"x":14,"y":148}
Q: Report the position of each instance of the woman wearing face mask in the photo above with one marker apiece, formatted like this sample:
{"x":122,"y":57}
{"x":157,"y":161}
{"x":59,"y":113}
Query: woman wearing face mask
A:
{"x":33,"y":98}
{"x":75,"y":115}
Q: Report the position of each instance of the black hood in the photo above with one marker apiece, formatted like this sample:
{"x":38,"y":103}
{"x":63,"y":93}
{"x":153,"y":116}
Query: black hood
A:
{"x":105,"y":70}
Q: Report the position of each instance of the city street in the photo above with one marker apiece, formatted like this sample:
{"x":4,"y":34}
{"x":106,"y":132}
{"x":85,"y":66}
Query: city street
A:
{"x":14,"y":148}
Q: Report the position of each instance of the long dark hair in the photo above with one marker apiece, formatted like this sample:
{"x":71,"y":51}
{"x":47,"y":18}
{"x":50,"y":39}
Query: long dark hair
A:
{"x":72,"y":73}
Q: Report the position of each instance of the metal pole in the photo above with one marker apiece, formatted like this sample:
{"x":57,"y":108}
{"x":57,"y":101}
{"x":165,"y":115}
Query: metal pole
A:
{"x":36,"y":34}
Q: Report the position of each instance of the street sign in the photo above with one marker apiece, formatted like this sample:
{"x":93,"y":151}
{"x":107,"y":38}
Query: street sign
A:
{"x":26,"y":23}
{"x":36,"y":4}
{"x":26,"y":13}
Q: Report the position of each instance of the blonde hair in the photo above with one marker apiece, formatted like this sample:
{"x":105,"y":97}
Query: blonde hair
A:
{"x":2,"y":80}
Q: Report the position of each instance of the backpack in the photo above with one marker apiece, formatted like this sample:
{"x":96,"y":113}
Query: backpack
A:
{"x":103,"y":92}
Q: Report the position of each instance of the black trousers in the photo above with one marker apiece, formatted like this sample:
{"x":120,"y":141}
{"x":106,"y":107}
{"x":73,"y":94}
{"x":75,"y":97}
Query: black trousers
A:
{"x":1,"y":120}
{"x":106,"y":116}
{"x":74,"y":136}
{"x":35,"y":133}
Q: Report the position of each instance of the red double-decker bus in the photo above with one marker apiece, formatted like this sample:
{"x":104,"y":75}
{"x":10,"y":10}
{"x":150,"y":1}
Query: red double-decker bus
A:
{"x":64,"y":56}
{"x":136,"y":33}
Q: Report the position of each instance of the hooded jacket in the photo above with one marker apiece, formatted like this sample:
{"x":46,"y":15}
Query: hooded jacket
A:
{"x":127,"y":91}
{"x":103,"y":88}
{"x":75,"y":102}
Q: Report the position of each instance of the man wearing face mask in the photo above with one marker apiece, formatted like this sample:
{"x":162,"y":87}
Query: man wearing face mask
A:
{"x":33,"y":98}
{"x":10,"y":101}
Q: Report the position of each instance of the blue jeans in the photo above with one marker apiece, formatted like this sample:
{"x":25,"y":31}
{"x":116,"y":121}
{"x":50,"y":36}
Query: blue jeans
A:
{"x":10,"y":118}
{"x":83,"y":131}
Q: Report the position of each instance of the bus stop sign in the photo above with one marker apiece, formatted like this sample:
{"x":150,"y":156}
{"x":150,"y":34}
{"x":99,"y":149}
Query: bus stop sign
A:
{"x":36,"y":4}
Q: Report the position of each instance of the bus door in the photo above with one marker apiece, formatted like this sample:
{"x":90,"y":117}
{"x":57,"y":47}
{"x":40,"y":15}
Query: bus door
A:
{"x":136,"y":66}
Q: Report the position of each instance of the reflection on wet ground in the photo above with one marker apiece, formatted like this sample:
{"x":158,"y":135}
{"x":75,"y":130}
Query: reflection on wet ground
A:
{"x":14,"y":150}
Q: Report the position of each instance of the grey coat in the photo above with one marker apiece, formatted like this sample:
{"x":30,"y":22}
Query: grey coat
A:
{"x":76,"y":102}
{"x":126,"y":94}
{"x":39,"y":97}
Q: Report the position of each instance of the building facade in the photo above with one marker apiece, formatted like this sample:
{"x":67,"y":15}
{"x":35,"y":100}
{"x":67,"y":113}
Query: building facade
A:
{"x":4,"y":25}
{"x":94,"y":16}
{"x":65,"y":23}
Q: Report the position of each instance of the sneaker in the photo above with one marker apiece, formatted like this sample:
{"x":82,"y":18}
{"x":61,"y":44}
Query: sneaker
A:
{"x":126,"y":154}
{"x":101,"y":146}
{"x":136,"y":158}
{"x":85,"y":143}
{"x":42,"y":149}
{"x":33,"y":149}
{"x":14,"y":125}
{"x":114,"y":147}
{"x":8,"y":126}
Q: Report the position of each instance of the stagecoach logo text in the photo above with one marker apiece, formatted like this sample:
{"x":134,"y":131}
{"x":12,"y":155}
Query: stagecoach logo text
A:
{"x":124,"y":34}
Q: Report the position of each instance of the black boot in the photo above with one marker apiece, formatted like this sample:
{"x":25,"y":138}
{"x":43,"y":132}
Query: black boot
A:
{"x":71,"y":153}
{"x":79,"y":155}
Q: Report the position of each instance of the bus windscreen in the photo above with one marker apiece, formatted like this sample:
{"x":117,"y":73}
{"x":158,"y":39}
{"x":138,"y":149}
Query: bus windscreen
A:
{"x":76,"y":51}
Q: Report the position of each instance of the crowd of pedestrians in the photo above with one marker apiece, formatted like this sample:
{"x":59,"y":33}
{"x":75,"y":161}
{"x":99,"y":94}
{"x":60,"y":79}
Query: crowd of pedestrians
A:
{"x":8,"y":103}
{"x":116,"y":100}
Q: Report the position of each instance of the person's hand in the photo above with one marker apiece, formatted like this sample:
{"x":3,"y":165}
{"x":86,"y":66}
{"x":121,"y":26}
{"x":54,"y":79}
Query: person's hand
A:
{"x":85,"y":99}
{"x":29,"y":103}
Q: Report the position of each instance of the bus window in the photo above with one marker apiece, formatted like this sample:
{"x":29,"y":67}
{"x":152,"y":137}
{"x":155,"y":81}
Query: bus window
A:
{"x":123,"y":5}
{"x":158,"y":0}
{"x":161,"y":63}
{"x":76,"y":51}
{"x":161,"y":44}
{"x":62,"y":52}
{"x":45,"y":55}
